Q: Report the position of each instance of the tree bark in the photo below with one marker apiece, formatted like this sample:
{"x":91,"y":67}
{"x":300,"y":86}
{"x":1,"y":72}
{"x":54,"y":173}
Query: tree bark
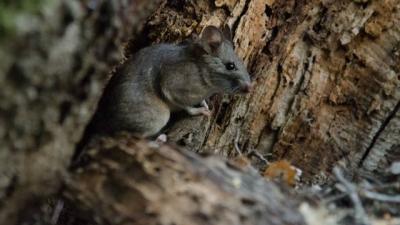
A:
{"x":126,"y":181}
{"x":326,"y":77}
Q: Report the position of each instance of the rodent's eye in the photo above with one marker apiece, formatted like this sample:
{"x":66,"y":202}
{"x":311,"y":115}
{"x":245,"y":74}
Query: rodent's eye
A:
{"x":230,"y":66}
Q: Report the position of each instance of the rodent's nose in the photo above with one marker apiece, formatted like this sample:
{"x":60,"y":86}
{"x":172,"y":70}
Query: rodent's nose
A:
{"x":246,"y":87}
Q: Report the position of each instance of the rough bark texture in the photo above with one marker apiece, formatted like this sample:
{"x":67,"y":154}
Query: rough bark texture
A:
{"x":326,"y":77}
{"x":131,"y":182}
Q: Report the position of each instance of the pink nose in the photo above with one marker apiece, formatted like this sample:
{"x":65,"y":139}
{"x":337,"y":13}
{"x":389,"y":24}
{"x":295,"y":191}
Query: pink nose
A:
{"x":246,"y":87}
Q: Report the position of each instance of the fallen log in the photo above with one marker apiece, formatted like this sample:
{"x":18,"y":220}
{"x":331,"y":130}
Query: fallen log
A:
{"x":126,"y":181}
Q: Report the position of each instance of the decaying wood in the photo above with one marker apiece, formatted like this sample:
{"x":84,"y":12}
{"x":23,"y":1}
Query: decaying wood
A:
{"x":326,"y":81}
{"x":326,"y":77}
{"x":126,"y":181}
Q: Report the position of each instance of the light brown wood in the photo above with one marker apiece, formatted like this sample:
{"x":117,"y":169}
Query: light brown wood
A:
{"x":126,"y":181}
{"x":327,"y":85}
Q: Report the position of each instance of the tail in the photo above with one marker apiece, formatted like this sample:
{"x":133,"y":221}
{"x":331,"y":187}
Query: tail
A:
{"x":78,"y":157}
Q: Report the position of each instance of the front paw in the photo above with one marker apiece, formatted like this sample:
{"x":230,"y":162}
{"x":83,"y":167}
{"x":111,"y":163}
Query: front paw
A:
{"x":204,"y":105}
{"x":162,"y":138}
{"x":198,"y":111}
{"x":205,"y":111}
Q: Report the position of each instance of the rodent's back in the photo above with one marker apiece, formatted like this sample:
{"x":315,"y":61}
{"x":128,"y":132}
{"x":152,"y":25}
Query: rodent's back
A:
{"x":143,"y":70}
{"x":134,"y":86}
{"x":155,"y":56}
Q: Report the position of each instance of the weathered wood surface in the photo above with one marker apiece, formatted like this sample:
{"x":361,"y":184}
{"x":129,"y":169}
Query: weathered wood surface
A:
{"x":326,"y":74}
{"x":126,"y":181}
{"x":326,"y":79}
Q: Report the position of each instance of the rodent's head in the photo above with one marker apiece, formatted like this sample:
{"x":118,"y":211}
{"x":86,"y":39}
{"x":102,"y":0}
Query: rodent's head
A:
{"x":227,"y":71}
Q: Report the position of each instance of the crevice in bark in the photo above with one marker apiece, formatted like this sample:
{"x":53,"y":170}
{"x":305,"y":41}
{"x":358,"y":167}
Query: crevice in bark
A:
{"x":268,"y":10}
{"x":267,"y":140}
{"x":307,"y":64}
{"x":266,"y":50}
{"x":245,"y":9}
{"x":299,"y":85}
{"x":378,"y":133}
{"x":278,"y":84}
{"x":209,"y":126}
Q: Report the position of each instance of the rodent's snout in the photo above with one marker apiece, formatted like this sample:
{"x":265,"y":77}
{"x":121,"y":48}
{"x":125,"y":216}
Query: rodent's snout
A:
{"x":246,"y":87}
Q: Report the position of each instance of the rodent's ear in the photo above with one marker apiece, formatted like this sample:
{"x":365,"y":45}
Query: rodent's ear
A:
{"x":211,"y":38}
{"x":226,"y":30}
{"x":197,"y":49}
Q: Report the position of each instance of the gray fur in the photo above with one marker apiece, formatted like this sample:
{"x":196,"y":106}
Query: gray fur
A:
{"x":166,"y":78}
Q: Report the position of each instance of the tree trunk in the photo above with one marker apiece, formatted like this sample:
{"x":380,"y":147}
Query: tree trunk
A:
{"x":327,"y":92}
{"x":327,"y":85}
